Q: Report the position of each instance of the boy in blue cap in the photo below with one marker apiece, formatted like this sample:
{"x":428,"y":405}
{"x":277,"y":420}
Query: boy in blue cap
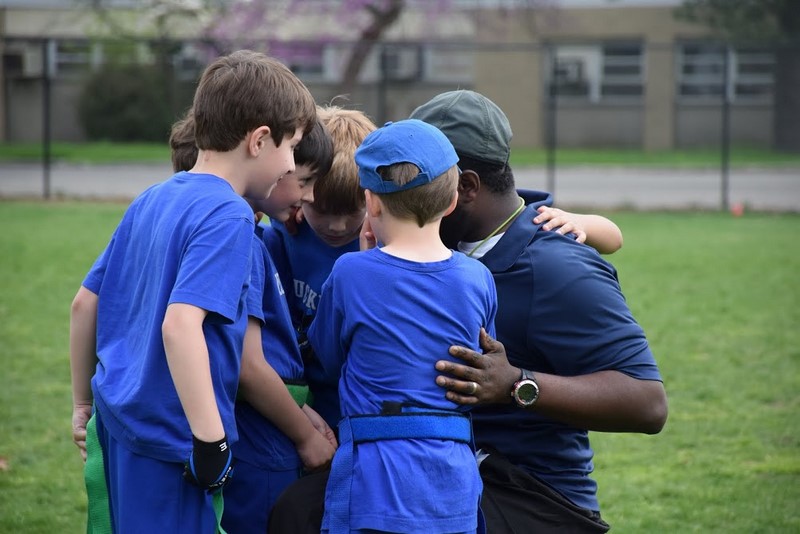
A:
{"x":158,"y":324}
{"x":405,"y":462}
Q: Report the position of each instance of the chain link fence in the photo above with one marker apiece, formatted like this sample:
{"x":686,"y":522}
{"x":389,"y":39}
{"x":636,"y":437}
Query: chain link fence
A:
{"x":624,"y":97}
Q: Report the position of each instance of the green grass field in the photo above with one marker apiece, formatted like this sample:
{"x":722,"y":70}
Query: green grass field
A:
{"x":717,"y":295}
{"x":158,"y":152}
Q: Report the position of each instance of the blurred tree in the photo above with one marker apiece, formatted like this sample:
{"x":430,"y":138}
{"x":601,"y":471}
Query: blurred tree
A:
{"x":271,"y":25}
{"x":773,"y":23}
{"x":151,"y":31}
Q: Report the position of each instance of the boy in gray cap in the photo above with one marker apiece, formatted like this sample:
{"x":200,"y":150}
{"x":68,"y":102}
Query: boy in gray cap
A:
{"x":570,"y":358}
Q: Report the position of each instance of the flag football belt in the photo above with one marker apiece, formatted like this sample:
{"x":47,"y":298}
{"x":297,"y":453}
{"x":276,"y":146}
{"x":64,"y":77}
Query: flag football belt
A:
{"x":406,"y":423}
{"x":298,"y":389}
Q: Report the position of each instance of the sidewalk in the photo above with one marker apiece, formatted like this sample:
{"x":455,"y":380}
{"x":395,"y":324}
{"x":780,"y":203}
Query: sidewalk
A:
{"x":773,"y":189}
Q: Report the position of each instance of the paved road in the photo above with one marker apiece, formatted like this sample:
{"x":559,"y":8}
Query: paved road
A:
{"x":583,"y":187}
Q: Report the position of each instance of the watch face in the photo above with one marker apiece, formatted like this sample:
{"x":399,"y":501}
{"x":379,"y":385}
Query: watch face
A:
{"x":527,"y":392}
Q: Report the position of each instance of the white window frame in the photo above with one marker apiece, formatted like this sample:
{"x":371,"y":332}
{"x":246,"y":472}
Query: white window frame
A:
{"x":727,"y":65}
{"x":585,"y":65}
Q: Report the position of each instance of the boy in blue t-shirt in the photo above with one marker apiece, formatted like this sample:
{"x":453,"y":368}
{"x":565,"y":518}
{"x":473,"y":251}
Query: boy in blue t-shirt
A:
{"x":277,"y":434}
{"x":330,"y":227}
{"x":157,"y":327}
{"x":385,"y":316}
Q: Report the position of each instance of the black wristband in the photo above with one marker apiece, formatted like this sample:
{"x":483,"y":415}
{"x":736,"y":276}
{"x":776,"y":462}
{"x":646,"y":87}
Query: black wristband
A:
{"x":210,"y":463}
{"x":207,"y":448}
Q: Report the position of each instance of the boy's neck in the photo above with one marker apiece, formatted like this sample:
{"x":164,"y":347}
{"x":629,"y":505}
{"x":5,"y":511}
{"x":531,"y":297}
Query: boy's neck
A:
{"x":405,"y":239}
{"x":222,"y":165}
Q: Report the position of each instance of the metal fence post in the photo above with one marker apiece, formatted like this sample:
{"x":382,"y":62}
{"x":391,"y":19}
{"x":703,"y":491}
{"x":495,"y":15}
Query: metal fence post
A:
{"x":552,"y":92}
{"x":726,"y":133}
{"x":46,"y":131}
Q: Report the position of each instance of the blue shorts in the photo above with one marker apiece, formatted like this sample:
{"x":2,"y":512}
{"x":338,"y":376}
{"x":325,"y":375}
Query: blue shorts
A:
{"x":148,"y":495}
{"x":249,"y":496}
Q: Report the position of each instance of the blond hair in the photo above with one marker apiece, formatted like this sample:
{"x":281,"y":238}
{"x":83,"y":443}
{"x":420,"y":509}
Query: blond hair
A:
{"x":422,"y":204}
{"x":339,"y":192}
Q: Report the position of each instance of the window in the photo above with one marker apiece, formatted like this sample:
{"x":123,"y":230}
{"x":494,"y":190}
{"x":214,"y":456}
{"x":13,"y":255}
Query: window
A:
{"x":402,"y":63}
{"x":189,"y":62}
{"x":622,"y":71}
{"x":304,"y":58}
{"x":709,"y":70}
{"x":448,"y":65}
{"x":73,"y":58}
{"x":597,"y":72}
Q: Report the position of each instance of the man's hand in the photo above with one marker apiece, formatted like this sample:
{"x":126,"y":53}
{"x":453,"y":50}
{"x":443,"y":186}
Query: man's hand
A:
{"x":210,"y":464}
{"x":485,"y":379}
{"x":81,"y":413}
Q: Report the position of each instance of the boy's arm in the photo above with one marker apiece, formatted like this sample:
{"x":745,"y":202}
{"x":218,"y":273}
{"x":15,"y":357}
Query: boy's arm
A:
{"x":210,"y":463}
{"x":83,"y":361}
{"x":596,"y":231}
{"x":264,"y":390}
{"x":187,"y":357}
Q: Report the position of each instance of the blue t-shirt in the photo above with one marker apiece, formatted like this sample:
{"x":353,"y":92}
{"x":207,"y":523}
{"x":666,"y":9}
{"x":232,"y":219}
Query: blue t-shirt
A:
{"x":186,"y":240}
{"x":385,"y":321}
{"x":304,"y":262}
{"x":560,"y":311}
{"x":260,"y":442}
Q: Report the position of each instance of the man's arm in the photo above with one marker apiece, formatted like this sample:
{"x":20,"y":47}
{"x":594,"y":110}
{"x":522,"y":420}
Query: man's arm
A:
{"x":264,"y":390}
{"x":83,"y":361}
{"x":604,"y":401}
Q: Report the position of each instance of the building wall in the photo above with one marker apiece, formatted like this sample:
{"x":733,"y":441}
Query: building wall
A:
{"x":610,"y":125}
{"x":701,"y":125}
{"x":648,"y":122}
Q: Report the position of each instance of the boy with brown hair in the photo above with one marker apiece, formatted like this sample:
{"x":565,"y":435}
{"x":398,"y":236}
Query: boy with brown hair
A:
{"x":405,"y":461}
{"x":157,"y":326}
{"x":279,"y":434}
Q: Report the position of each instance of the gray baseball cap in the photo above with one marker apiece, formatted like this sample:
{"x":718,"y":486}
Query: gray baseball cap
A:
{"x":475,"y":125}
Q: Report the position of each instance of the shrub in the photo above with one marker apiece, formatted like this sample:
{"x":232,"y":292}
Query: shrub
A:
{"x":126,"y":103}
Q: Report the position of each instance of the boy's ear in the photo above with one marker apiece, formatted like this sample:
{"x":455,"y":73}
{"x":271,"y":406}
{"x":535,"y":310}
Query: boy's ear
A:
{"x":374,"y":206}
{"x":257,"y":139}
{"x":469,"y":185}
{"x":452,"y":205}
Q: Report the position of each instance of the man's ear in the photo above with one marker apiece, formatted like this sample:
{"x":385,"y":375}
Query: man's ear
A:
{"x":469,"y":185}
{"x":374,"y":205}
{"x":257,"y":139}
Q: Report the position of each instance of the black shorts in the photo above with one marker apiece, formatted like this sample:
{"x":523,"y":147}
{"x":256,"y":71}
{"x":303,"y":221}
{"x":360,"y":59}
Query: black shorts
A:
{"x":515,"y":502}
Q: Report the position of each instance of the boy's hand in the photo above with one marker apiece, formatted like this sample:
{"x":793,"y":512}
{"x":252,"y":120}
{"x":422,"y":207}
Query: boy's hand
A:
{"x":320,"y":424}
{"x":561,"y":221}
{"x":366,"y":238}
{"x":81,"y":413}
{"x":294,"y":221}
{"x":210,"y":464}
{"x":315,"y":452}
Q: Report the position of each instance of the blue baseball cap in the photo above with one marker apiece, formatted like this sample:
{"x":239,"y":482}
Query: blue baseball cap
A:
{"x":406,"y":141}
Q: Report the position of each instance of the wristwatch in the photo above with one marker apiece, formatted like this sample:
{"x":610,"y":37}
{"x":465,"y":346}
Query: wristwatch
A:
{"x":525,"y":391}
